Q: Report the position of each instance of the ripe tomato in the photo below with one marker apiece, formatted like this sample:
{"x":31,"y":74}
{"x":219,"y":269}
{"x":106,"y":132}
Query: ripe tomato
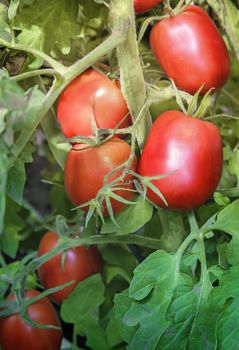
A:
{"x":87,"y":166}
{"x":91,"y":94}
{"x":191,"y":50}
{"x":79,"y":264}
{"x":15,"y":333}
{"x":141,"y":6}
{"x":190,"y":151}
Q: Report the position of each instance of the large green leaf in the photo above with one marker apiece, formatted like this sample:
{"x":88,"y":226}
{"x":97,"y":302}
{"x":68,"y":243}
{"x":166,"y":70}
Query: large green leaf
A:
{"x":82,"y":309}
{"x":48,"y":25}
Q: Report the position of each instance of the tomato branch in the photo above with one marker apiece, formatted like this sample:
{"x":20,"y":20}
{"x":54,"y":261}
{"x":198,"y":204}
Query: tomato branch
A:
{"x":131,"y":76}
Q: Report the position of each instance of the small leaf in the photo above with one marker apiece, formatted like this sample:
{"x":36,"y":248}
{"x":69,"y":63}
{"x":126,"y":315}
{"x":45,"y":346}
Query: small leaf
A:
{"x":131,"y":219}
{"x":204,"y":105}
{"x":227,"y":219}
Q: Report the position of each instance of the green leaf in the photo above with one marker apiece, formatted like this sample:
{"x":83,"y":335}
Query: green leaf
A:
{"x":227,"y":220}
{"x":48,"y":26}
{"x":82,"y":309}
{"x":119,"y":261}
{"x":220,"y":199}
{"x":13,"y":224}
{"x":159,"y":268}
{"x":5,"y":33}
{"x":112,"y":331}
{"x":130,"y":219}
{"x":232,"y":251}
{"x":173,"y":229}
{"x":233,"y":164}
{"x":180,"y":314}
{"x":225,"y":299}
{"x":17,"y":175}
{"x":122,"y":303}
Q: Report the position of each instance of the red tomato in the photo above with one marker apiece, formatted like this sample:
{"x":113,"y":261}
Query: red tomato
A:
{"x":16,"y":334}
{"x":91,"y":94}
{"x":87,"y":166}
{"x":141,"y":6}
{"x":191,"y":50}
{"x":190,"y":151}
{"x":79,"y":264}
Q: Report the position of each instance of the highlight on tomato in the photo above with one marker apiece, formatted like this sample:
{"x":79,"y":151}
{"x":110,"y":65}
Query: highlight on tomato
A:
{"x":79,"y":264}
{"x":189,"y":152}
{"x":191,"y":50}
{"x":86,"y":167}
{"x":92,"y":95}
{"x":15,"y":333}
{"x":141,"y":6}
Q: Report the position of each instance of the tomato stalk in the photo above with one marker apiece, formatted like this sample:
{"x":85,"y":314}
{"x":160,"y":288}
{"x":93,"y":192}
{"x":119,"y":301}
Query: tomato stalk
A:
{"x":131,"y":76}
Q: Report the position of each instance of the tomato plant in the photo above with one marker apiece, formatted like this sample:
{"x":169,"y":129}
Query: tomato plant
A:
{"x":15,"y":333}
{"x":91,"y":95}
{"x":189,"y":152}
{"x":133,"y":256}
{"x":191,"y":51}
{"x":77,"y":264}
{"x":86,"y":168}
{"x":143,"y":5}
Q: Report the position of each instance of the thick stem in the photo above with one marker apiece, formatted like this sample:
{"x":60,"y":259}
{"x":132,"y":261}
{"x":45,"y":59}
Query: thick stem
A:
{"x":131,"y":76}
{"x":108,"y":45}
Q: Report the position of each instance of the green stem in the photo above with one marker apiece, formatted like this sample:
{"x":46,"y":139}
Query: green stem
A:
{"x":108,"y":45}
{"x":37,"y":53}
{"x":193,"y":222}
{"x":34,"y":73}
{"x":189,"y":239}
{"x":131,"y":76}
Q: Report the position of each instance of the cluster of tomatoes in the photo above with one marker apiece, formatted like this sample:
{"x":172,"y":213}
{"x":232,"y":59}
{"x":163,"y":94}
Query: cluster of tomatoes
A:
{"x":185,"y":151}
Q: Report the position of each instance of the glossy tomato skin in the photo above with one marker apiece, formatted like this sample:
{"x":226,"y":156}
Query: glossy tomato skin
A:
{"x":191,"y":50}
{"x":15,"y":333}
{"x":189,"y":150}
{"x":79,"y":264}
{"x":91,"y":94}
{"x":141,"y":6}
{"x":86,"y":168}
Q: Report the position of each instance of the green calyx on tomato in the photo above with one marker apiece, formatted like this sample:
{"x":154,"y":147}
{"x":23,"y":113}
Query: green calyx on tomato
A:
{"x":189,"y":150}
{"x":86,"y":170}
